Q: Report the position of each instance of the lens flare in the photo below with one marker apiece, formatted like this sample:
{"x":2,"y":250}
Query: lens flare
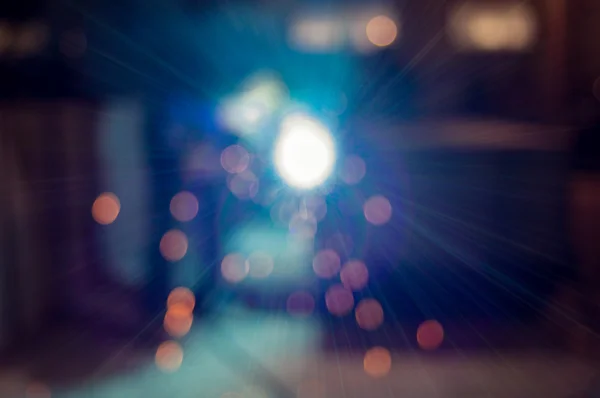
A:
{"x":304,"y":152}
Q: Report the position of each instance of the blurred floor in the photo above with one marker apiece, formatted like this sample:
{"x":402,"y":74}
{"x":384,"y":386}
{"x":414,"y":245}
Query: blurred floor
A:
{"x":267,"y":355}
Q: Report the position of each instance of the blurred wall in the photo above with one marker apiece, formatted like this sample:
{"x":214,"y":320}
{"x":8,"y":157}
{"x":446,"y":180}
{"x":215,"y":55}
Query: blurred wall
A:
{"x":19,"y":301}
{"x":584,"y":50}
{"x":55,"y":158}
{"x":46,"y":171}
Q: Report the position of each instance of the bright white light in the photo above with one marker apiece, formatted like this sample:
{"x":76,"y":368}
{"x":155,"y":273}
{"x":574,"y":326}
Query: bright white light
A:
{"x":304,"y":152}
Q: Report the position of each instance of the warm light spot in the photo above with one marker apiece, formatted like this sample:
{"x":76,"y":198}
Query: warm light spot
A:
{"x":377,"y":362}
{"x":430,"y":335}
{"x":243,"y":185}
{"x":382,"y":31}
{"x":353,"y":170}
{"x":369,"y":314}
{"x":169,"y":356}
{"x":303,"y":226}
{"x":488,"y":31}
{"x":234,"y":268}
{"x":73,"y":43}
{"x":182,"y":297}
{"x":260,"y":265}
{"x":326,"y":263}
{"x":38,"y":390}
{"x":235,"y":159}
{"x":106,"y":208}
{"x":523,"y":30}
{"x":173,"y":245}
{"x":354,"y":275}
{"x":178,"y":321}
{"x":497,"y":31}
{"x":339,"y":300}
{"x":184,"y":206}
{"x":497,"y":27}
{"x":311,"y":389}
{"x":377,"y":210}
{"x":300,"y":304}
